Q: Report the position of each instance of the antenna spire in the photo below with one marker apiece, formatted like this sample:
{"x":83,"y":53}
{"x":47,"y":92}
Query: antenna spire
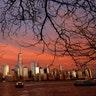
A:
{"x":20,"y":50}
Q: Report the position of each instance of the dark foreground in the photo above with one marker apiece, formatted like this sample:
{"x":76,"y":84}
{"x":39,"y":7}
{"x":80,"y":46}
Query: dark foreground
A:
{"x":46,"y":88}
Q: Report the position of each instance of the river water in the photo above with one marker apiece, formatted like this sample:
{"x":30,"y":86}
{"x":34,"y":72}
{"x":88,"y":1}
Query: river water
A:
{"x":46,"y":88}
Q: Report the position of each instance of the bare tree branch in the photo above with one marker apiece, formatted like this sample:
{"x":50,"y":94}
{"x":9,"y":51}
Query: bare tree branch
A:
{"x":72,"y":23}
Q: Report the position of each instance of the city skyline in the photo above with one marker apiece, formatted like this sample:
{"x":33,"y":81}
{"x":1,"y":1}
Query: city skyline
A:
{"x":53,"y":28}
{"x":12,"y":49}
{"x":37,"y":73}
{"x":47,"y":40}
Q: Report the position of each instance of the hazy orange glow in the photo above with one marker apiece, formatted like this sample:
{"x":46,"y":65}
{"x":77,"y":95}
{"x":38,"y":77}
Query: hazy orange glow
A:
{"x":29,"y":54}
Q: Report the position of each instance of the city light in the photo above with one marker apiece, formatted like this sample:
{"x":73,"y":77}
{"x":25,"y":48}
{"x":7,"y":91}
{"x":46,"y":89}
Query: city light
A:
{"x":37,"y":73}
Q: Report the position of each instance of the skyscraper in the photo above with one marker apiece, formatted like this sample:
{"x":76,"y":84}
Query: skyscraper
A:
{"x":33,"y":68}
{"x":37,"y":68}
{"x":20,"y":61}
{"x":5,"y":70}
{"x":47,"y":70}
{"x":25,"y":72}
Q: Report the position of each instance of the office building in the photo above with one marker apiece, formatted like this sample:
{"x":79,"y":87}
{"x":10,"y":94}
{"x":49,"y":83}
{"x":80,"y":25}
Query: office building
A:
{"x":14,"y":74}
{"x":79,"y":74}
{"x":67,"y":75}
{"x":90,"y":73}
{"x":16,"y":68}
{"x":37,"y":68}
{"x":33,"y":68}
{"x":25,"y":72}
{"x":20,"y":62}
{"x":47,"y":69}
{"x":5,"y":70}
{"x":41,"y":71}
{"x":73,"y":74}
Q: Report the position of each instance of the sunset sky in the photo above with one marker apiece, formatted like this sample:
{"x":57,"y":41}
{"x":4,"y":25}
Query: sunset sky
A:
{"x":56,"y":26}
{"x":30,"y":54}
{"x":11,"y":50}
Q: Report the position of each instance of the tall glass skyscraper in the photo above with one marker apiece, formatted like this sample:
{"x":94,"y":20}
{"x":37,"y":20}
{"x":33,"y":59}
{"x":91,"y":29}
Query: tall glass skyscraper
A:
{"x":20,"y":61}
{"x":33,"y":68}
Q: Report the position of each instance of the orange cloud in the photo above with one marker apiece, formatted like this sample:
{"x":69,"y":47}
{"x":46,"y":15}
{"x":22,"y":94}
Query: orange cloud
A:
{"x":11,"y":57}
{"x":31,"y":54}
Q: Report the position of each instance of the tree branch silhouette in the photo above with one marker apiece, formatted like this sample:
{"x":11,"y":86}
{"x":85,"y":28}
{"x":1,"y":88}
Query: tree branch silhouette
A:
{"x":72,"y":23}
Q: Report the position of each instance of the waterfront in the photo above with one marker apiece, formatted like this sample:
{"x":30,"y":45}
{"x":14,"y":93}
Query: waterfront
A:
{"x":46,"y":88}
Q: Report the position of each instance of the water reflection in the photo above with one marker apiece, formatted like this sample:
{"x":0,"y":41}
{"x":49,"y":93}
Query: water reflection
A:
{"x":25,"y":93}
{"x":46,"y":89}
{"x":8,"y":89}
